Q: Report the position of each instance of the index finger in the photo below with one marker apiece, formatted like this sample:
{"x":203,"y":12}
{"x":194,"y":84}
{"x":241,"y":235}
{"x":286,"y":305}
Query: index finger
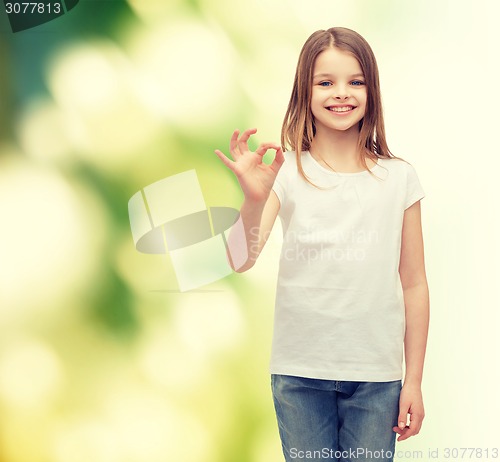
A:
{"x":403,"y":434}
{"x":264,"y":147}
{"x":242,"y":143}
{"x":410,"y":430}
{"x":234,"y":141}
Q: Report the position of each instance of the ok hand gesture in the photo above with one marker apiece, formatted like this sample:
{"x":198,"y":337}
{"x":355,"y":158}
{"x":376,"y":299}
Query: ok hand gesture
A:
{"x":254,"y":176}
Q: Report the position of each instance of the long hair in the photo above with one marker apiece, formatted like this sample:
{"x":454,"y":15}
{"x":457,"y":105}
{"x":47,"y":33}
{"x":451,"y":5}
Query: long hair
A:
{"x":298,"y":127}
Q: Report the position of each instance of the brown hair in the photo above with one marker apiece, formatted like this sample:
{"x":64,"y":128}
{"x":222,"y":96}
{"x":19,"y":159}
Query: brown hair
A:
{"x":298,"y":127}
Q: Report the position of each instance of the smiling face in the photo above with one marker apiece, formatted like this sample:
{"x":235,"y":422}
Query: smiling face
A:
{"x":338,"y":99}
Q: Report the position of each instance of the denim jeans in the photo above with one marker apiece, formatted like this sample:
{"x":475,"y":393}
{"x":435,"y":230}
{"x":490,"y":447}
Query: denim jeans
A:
{"x":336,"y":420}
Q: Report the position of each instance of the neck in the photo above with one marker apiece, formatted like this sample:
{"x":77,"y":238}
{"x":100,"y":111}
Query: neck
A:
{"x":336,"y":146}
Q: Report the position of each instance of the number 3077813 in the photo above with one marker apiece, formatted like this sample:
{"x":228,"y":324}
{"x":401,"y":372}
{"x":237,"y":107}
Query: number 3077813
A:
{"x":32,"y":8}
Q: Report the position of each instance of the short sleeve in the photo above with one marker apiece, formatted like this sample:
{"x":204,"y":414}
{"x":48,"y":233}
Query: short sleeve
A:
{"x":414,"y":190}
{"x":281,"y":181}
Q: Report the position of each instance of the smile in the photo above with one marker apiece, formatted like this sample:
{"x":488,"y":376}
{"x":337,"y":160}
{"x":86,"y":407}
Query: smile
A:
{"x":340,"y":109}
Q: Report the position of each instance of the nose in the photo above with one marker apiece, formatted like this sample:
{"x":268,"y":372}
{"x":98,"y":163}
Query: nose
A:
{"x":341,"y":92}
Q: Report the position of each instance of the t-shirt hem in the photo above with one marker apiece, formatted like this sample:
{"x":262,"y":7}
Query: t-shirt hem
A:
{"x":339,"y":374}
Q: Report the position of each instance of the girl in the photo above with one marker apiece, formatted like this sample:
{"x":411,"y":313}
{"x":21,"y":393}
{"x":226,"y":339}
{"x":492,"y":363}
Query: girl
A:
{"x":352,"y":288}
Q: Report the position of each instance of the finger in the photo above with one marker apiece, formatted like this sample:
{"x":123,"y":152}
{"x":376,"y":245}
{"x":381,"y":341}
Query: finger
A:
{"x":407,"y":433}
{"x":264,"y":147}
{"x":403,"y":415}
{"x":233,"y":144}
{"x":243,"y":142}
{"x":279,"y":158}
{"x":411,"y":430}
{"x":416,"y":422}
{"x":227,"y":162}
{"x":398,"y":430}
{"x":403,"y":434}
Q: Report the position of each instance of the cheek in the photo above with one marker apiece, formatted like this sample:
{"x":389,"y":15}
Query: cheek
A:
{"x":364,"y":97}
{"x":316,"y":100}
{"x":313,"y":106}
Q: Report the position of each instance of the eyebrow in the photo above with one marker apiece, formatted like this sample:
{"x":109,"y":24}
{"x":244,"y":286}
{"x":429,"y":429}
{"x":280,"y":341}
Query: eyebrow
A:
{"x":330,"y":75}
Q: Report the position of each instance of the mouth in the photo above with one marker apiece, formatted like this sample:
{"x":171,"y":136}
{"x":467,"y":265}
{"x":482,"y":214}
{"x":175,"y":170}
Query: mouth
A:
{"x":341,"y":109}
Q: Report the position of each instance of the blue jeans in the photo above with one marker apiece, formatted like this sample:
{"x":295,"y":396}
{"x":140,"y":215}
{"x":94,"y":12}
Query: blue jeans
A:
{"x":336,"y":420}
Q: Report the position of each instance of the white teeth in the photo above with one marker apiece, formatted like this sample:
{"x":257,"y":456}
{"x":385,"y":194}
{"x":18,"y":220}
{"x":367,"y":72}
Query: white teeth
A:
{"x":341,"y":109}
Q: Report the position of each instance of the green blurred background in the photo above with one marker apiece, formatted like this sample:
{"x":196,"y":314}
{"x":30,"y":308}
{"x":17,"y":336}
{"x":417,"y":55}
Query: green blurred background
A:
{"x":102,"y":359}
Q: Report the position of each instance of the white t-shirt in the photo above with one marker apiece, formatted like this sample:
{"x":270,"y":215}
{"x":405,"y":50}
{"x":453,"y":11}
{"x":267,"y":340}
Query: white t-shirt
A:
{"x":340,"y":312}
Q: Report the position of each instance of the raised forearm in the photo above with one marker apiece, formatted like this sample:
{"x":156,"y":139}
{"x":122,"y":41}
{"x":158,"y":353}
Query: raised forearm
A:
{"x":244,"y":237}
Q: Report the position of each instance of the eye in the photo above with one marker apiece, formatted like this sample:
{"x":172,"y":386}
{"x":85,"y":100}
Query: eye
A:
{"x":324,"y":84}
{"x":358,"y":82}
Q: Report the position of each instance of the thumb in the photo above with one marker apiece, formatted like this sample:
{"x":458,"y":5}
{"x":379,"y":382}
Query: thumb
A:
{"x":402,"y":418}
{"x":279,"y":158}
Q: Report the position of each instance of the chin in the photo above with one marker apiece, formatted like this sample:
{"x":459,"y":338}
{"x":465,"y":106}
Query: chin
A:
{"x":346,"y":128}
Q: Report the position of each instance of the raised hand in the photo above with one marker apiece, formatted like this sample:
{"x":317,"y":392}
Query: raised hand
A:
{"x":255,"y":177}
